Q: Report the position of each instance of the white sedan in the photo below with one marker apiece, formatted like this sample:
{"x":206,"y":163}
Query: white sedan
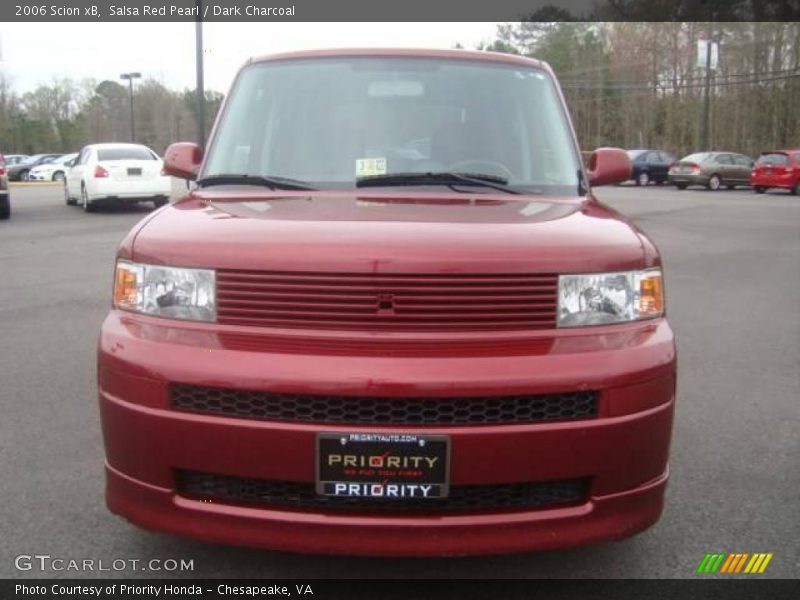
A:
{"x":116,"y":172}
{"x":56,"y":170}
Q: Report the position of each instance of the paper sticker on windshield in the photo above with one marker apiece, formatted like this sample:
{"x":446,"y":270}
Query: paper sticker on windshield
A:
{"x":367,"y":167}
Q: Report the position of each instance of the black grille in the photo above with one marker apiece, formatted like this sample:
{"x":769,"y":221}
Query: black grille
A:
{"x":466,"y":498}
{"x":385,"y":411}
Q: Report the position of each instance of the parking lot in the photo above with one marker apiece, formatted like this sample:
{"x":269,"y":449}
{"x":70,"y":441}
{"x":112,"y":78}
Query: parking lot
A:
{"x":732,"y":261}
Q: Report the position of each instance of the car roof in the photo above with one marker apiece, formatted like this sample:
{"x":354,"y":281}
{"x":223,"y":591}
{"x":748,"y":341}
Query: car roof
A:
{"x":475,"y":55}
{"x":779,"y":151}
{"x":117,"y":145}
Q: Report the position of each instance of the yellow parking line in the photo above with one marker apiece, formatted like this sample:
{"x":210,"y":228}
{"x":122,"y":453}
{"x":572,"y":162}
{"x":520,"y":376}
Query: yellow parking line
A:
{"x":24,"y":183}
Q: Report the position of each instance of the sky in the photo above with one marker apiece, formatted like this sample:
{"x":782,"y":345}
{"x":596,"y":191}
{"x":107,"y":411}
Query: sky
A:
{"x":36,"y":53}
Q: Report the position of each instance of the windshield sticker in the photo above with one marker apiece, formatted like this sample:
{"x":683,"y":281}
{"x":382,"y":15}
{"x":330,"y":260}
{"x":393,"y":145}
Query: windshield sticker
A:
{"x":367,"y":167}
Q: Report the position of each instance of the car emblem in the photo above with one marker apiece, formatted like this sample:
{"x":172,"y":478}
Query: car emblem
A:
{"x":385,"y":304}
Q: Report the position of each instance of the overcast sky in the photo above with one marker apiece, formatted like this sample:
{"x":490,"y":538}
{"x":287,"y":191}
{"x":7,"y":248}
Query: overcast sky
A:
{"x":34,"y":53}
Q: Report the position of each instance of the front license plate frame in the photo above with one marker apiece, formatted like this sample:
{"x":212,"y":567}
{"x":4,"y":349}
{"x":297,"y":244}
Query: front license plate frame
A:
{"x":382,"y":466}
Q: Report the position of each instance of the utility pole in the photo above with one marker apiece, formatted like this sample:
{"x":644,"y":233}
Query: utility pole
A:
{"x":130,"y":77}
{"x":201,"y":94}
{"x":704,"y":124}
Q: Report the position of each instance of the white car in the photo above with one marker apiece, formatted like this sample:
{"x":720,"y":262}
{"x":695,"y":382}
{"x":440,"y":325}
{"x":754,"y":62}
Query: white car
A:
{"x":117,"y":172}
{"x":52,"y":171}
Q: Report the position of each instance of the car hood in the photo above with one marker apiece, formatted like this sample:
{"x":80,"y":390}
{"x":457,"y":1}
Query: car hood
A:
{"x":388,"y":232}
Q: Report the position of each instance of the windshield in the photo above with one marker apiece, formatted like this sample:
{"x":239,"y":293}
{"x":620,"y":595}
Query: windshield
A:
{"x":632,"y":154}
{"x":332,"y":121}
{"x":125,"y":153}
{"x":697,"y":157}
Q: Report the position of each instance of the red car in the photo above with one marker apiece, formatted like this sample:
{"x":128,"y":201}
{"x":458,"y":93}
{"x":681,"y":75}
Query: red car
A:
{"x":390,"y":318}
{"x":777,"y":169}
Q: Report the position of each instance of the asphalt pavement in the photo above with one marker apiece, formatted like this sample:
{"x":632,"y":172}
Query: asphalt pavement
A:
{"x":732,"y":261}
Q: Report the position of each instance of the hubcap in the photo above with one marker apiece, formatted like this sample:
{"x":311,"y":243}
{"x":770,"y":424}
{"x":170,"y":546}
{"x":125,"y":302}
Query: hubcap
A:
{"x":643,"y":179}
{"x":714,"y":183}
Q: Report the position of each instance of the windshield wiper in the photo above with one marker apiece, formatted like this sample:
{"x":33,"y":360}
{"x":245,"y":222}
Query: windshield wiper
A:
{"x":438,"y":178}
{"x":273,"y":182}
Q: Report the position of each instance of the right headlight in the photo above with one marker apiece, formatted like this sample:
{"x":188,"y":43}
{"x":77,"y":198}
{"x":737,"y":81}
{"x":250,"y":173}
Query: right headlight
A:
{"x":605,"y":298}
{"x":161,"y":291}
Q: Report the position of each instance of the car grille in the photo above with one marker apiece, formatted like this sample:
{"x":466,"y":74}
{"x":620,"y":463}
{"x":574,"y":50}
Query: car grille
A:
{"x":462,"y":498}
{"x":386,"y":302}
{"x":272,"y":406}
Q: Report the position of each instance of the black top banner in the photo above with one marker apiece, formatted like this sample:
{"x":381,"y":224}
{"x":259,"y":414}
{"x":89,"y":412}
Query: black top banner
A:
{"x":407,"y":10}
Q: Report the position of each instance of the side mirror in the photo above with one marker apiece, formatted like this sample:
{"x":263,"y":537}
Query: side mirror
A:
{"x":609,"y":165}
{"x":183,"y":160}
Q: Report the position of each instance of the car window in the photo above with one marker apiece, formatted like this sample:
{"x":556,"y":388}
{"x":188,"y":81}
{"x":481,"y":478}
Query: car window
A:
{"x":128,"y":153}
{"x":723,"y":159}
{"x":741,"y":159}
{"x":83,"y":156}
{"x":635,"y":155}
{"x":653,"y":158}
{"x":697,"y":157}
{"x":331,"y":121}
{"x":773,"y":158}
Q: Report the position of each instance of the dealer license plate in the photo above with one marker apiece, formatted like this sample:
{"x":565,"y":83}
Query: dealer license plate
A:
{"x":382,"y":465}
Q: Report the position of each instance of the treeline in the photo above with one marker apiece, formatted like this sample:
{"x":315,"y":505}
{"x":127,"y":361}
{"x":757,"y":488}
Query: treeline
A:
{"x":64,"y":115}
{"x":638,"y":84}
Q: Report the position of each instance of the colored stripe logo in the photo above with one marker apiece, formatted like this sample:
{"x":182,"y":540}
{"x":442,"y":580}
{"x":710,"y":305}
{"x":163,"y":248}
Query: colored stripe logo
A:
{"x":734,"y":563}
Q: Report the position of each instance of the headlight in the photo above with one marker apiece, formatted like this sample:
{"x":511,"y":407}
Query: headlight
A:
{"x":165,"y":291}
{"x":604,"y":298}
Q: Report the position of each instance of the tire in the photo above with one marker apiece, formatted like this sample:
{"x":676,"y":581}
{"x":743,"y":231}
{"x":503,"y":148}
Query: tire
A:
{"x":642,"y":179}
{"x":731,"y":187}
{"x":795,"y":191}
{"x":85,"y":202}
{"x":58,"y":176}
{"x":681,"y":186}
{"x":159,"y":202}
{"x":714,"y":183}
{"x":760,"y":189}
{"x":67,"y":199}
{"x":659,"y":182}
{"x":5,"y":207}
{"x":23,"y":175}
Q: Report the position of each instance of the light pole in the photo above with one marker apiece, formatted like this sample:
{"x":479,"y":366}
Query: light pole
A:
{"x":201,"y":94}
{"x":130,"y":77}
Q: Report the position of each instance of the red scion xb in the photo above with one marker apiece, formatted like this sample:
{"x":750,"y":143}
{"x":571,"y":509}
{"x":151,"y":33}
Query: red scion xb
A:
{"x":389,"y":318}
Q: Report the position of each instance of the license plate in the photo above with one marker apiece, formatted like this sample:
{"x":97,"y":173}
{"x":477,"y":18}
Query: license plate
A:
{"x":382,"y":465}
{"x":134,"y":171}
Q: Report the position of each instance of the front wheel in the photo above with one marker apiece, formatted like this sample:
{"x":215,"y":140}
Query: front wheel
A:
{"x":681,"y":186}
{"x":69,"y":200}
{"x":85,"y":202}
{"x":642,"y":179}
{"x":5,"y":207}
{"x":714,"y":183}
{"x":796,"y":189}
{"x":760,"y":189}
{"x":159,"y":202}
{"x":58,"y":176}
{"x":23,"y":175}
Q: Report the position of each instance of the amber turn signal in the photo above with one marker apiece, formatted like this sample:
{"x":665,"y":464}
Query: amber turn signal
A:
{"x":651,"y":295}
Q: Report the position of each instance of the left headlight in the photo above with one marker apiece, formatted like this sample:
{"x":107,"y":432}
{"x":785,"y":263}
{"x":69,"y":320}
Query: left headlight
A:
{"x":165,"y":291}
{"x":605,"y":298}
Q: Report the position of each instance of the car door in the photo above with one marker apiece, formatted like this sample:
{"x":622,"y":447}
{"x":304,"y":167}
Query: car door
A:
{"x":75,"y":174}
{"x":743,"y":165}
{"x":723,"y":166}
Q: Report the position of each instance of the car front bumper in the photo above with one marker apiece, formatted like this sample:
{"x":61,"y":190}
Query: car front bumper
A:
{"x":623,"y":452}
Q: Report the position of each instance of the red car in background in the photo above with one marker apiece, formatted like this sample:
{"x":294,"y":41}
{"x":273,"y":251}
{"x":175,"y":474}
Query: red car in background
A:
{"x":777,"y":169}
{"x":391,"y":318}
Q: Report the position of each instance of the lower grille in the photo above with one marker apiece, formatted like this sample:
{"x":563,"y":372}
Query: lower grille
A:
{"x":526,"y":408}
{"x":466,"y":498}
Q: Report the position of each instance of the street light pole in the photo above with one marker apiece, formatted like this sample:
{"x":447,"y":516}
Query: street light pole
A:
{"x":130,"y":77}
{"x":201,"y":94}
